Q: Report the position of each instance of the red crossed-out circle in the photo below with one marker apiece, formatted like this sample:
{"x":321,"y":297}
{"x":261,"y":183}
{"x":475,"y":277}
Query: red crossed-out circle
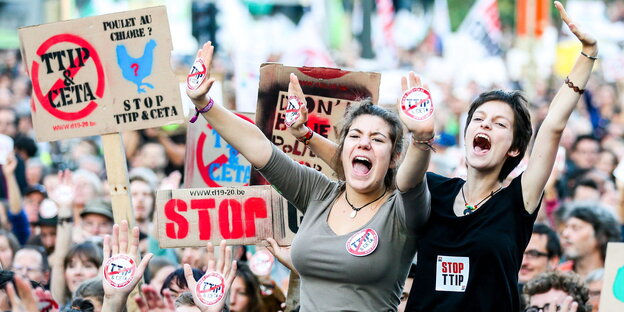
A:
{"x":361,"y":250}
{"x":202,"y":294}
{"x":424,"y":97}
{"x":199,"y":155}
{"x":99,"y":92}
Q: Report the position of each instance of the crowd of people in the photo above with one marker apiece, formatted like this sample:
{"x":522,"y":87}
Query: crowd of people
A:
{"x":523,"y":203}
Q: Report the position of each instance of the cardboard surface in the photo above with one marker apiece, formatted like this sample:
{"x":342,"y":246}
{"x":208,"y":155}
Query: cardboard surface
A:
{"x":328,"y":91}
{"x":240,"y":215}
{"x":101,"y":74}
{"x":210,"y":160}
{"x":612,"y":294}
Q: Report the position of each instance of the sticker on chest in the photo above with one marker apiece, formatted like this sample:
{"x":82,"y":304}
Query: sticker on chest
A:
{"x":452,"y":273}
{"x":363,"y":243}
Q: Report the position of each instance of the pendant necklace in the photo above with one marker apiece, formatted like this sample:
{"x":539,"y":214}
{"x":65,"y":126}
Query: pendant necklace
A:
{"x":355,"y":210}
{"x":470,"y":208}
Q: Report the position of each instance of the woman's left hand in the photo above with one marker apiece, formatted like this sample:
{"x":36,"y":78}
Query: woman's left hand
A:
{"x":421,"y":129}
{"x":588,"y":41}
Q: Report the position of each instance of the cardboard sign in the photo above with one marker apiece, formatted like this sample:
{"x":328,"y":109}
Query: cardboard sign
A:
{"x":211,"y":161}
{"x":328,"y":91}
{"x":612,"y":294}
{"x":240,"y":215}
{"x":101,"y":74}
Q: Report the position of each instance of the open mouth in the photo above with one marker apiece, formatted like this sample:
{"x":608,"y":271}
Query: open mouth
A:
{"x":481,"y":143}
{"x":361,"y":165}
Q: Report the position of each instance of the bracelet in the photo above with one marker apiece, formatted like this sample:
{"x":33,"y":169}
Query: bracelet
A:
{"x":305,"y":139}
{"x":573,"y":87}
{"x":427,"y":143}
{"x":62,"y":221}
{"x":593,"y":58}
{"x":201,"y":111}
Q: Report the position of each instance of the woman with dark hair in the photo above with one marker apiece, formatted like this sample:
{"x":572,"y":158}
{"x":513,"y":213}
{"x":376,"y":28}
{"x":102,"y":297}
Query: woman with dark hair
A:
{"x":245,"y":295}
{"x":357,"y":238}
{"x":470,"y":250}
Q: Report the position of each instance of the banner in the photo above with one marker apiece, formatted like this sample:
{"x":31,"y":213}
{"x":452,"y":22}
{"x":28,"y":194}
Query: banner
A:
{"x":240,"y":215}
{"x":328,"y":91}
{"x":483,"y":25}
{"x":101,"y":74}
{"x":211,"y":161}
{"x":612,"y":294}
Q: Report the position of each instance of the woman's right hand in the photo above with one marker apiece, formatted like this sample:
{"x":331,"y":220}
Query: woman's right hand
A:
{"x":282,"y":253}
{"x":199,"y":94}
{"x":421,"y":129}
{"x":298,"y":128}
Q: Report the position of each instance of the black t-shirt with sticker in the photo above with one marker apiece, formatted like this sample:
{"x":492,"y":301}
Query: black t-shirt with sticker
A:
{"x":471,"y":263}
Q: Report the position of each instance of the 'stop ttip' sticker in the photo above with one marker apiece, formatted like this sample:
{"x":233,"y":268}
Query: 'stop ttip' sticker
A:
{"x":292,"y":110}
{"x":417,"y":104}
{"x":197,"y":75}
{"x":363,"y":243}
{"x":210,"y":288}
{"x":119,"y":270}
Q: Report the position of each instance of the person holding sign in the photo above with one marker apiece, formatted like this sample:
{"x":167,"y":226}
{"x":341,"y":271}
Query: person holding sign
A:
{"x":471,"y":249}
{"x":357,"y":239}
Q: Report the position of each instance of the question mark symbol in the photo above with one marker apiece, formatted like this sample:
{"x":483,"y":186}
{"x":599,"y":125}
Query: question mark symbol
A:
{"x":150,"y":30}
{"x":136,"y":68}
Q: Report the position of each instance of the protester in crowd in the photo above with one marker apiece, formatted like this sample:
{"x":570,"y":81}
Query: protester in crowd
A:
{"x":15,"y":214}
{"x":245,"y":294}
{"x":334,"y":212}
{"x":91,"y":290}
{"x":33,"y":196}
{"x":588,"y":229}
{"x":479,"y":224}
{"x":96,"y":220}
{"x":556,"y":291}
{"x":46,"y":227}
{"x":594,"y":284}
{"x":176,"y":284}
{"x":159,"y":268}
{"x":31,"y":262}
{"x":542,"y":254}
{"x":8,"y":247}
{"x":583,"y":157}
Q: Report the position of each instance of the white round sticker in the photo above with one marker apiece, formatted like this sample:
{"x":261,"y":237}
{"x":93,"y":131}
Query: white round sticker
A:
{"x":119,"y":270}
{"x":363,"y":243}
{"x":417,"y":104}
{"x":48,"y":209}
{"x":261,"y":263}
{"x":210,"y":288}
{"x":292,"y":110}
{"x":197,"y":75}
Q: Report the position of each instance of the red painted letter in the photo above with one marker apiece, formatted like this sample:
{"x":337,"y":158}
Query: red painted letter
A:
{"x":224,"y":219}
{"x":171,"y":214}
{"x":202,"y":206}
{"x":255,"y":207}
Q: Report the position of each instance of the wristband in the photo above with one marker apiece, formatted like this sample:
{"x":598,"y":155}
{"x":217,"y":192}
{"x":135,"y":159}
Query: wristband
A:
{"x":201,"y":111}
{"x":305,"y":139}
{"x":427,"y":143}
{"x":593,"y":58}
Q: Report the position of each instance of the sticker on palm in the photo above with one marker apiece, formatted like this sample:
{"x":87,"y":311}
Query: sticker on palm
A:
{"x":210,"y":288}
{"x":416,"y":103}
{"x":292,"y":111}
{"x":119,"y":270}
{"x":197,"y":75}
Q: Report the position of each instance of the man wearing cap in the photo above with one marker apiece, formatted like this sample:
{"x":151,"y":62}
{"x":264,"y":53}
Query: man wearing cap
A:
{"x":97,"y":218}
{"x":47,"y":233}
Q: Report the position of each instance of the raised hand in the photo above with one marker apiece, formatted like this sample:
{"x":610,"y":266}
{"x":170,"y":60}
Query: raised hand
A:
{"x":216,"y":282}
{"x":64,"y":193}
{"x":420,"y":123}
{"x":153,"y":302}
{"x":298,"y":128}
{"x":11,"y":163}
{"x":586,"y":39}
{"x":197,"y":89}
{"x":120,"y":270}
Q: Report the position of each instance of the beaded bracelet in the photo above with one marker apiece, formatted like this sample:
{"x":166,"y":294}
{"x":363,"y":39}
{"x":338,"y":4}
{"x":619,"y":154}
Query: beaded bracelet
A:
{"x":573,"y":87}
{"x":428,"y":143}
{"x":201,"y":111}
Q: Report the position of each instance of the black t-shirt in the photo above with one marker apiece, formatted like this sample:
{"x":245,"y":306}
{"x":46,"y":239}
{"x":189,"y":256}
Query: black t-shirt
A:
{"x":471,"y":263}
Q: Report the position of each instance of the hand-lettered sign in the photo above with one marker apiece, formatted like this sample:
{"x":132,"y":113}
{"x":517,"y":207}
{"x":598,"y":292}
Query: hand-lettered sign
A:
{"x":241,"y":215}
{"x":101,"y":74}
{"x":211,"y":161}
{"x":328,"y":92}
{"x":612,"y":294}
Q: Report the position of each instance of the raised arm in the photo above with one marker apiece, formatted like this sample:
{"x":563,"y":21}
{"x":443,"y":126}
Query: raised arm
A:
{"x":242,"y":135}
{"x":321,"y":146}
{"x":547,"y":139}
{"x":13,"y":190}
{"x":63,"y":196}
{"x":412,"y":170}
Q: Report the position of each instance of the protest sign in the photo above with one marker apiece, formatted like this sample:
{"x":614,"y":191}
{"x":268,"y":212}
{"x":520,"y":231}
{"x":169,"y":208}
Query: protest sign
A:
{"x":212,"y":162}
{"x":101,"y":74}
{"x":329,"y":91}
{"x":612,"y":294}
{"x":240,"y":215}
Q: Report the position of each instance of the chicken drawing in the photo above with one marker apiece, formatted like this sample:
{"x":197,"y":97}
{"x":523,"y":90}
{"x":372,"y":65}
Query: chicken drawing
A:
{"x":137,"y":69}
